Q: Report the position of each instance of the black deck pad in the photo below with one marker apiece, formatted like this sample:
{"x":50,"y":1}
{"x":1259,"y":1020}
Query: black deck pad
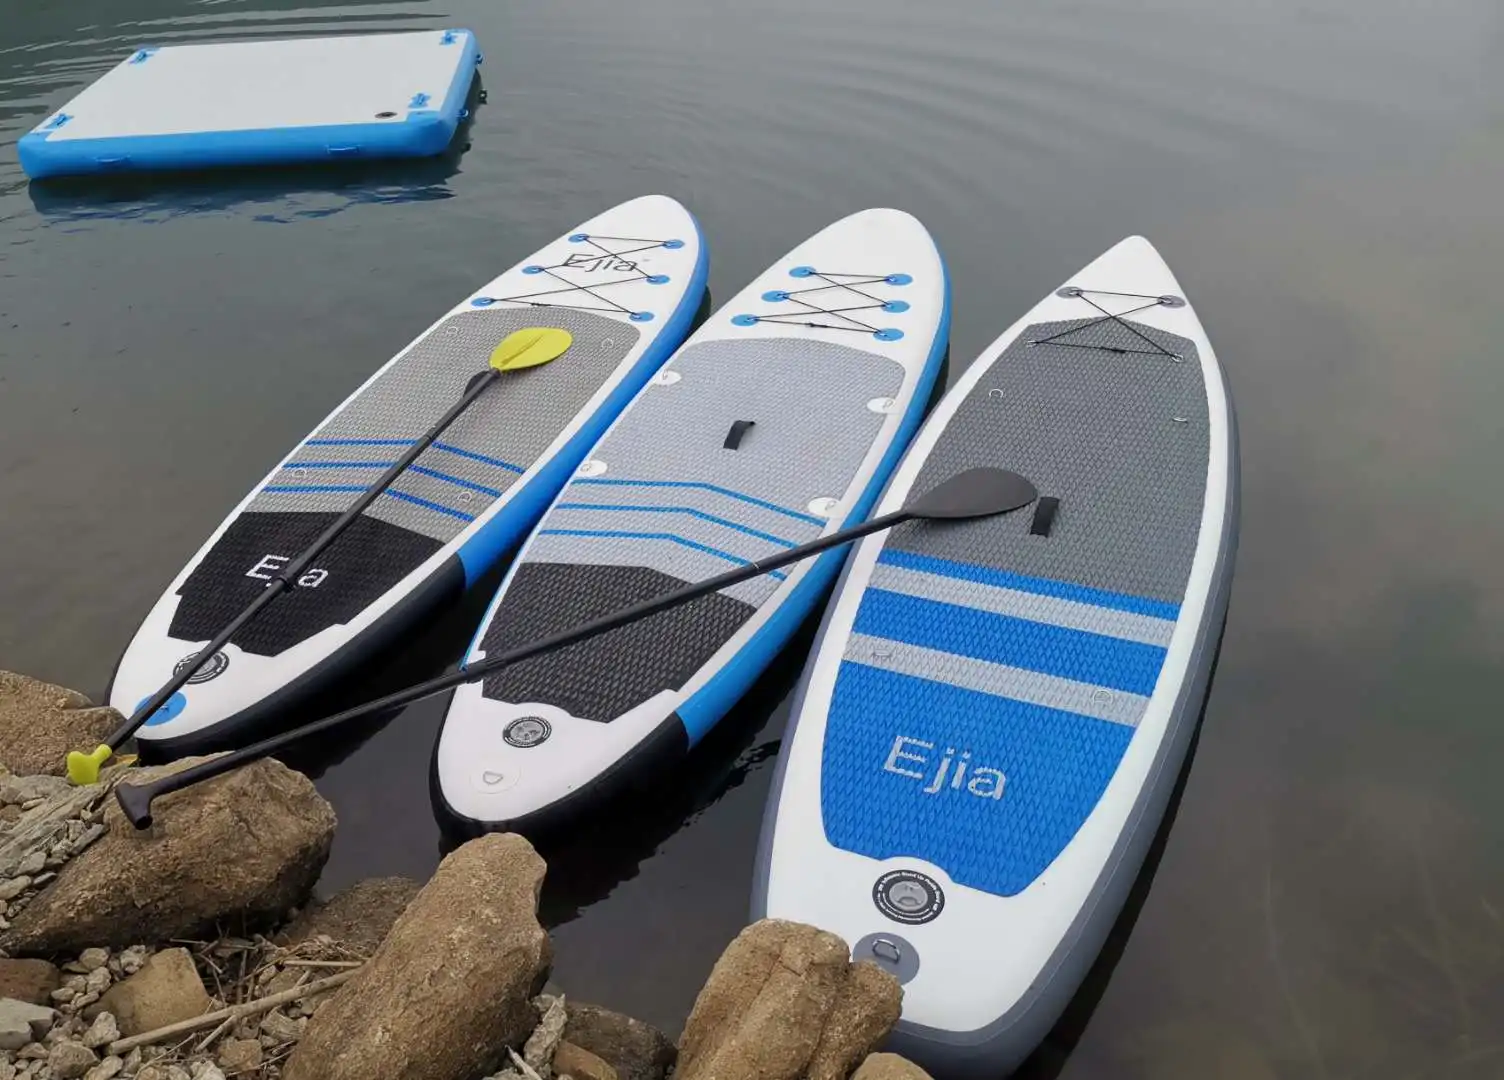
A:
{"x":358,"y":568}
{"x":604,"y":677}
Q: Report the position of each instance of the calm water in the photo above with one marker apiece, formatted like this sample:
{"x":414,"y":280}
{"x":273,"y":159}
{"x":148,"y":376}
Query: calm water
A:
{"x":1324,"y":176}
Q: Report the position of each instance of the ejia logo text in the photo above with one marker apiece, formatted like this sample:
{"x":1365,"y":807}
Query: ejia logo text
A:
{"x":914,"y":758}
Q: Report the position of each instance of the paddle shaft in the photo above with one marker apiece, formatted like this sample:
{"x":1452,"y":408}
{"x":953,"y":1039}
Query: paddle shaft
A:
{"x":135,"y":799}
{"x":289,"y":574}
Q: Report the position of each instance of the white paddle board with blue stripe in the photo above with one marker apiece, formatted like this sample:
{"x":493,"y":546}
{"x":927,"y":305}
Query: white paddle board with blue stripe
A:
{"x":996,"y":711}
{"x":776,"y":423}
{"x":626,"y":285}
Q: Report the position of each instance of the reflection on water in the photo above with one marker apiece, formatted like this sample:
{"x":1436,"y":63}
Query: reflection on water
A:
{"x":1330,"y":901}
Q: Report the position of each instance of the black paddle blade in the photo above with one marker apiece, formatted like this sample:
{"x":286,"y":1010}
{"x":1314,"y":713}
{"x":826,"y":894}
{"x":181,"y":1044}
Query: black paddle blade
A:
{"x":974,"y":493}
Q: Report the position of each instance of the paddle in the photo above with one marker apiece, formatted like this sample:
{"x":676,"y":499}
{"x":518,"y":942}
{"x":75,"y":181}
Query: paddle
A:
{"x":525,"y":348}
{"x":972,"y":494}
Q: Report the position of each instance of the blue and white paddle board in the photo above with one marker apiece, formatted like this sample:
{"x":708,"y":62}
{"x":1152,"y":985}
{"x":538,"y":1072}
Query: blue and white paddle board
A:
{"x":262,"y":102}
{"x":996,"y":711}
{"x":778,"y":422}
{"x":625,"y":284}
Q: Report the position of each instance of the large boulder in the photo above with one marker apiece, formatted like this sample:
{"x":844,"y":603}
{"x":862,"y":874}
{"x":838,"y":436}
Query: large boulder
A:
{"x":451,"y":986}
{"x":232,"y":852}
{"x":782,"y":1000}
{"x":359,"y":917}
{"x":637,"y":1051}
{"x":40,"y":723}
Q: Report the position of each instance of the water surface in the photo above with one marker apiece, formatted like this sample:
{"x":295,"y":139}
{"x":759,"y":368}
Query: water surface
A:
{"x":1322,"y":175}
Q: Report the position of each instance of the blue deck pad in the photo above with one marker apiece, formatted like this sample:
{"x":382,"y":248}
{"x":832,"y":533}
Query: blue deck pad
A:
{"x":1032,"y":775}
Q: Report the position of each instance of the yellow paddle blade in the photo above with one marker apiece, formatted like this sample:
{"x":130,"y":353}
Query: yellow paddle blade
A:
{"x":84,"y":768}
{"x":529,"y":347}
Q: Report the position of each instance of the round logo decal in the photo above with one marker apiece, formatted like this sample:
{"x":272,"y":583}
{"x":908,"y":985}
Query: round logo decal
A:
{"x":527,"y":732}
{"x":211,"y":668}
{"x":907,"y":896}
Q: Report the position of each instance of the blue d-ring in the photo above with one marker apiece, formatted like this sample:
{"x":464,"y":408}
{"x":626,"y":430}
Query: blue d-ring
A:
{"x":898,"y":279}
{"x":578,"y":238}
{"x":657,"y":279}
{"x":673,"y":245}
{"x":744,"y":320}
{"x":888,"y":334}
{"x":894,"y":307}
{"x":801,"y":271}
{"x":641,"y":316}
{"x":168,"y":710}
{"x":774,"y":296}
{"x":482,"y":301}
{"x":534,"y":269}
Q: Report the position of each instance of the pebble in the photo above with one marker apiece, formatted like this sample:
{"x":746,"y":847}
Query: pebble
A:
{"x":206,"y":1070}
{"x":70,"y":1060}
{"x":77,"y":981}
{"x":31,"y":864}
{"x":94,"y":959}
{"x":107,"y":1068}
{"x":14,"y":887}
{"x":64,"y":994}
{"x":103,"y":1030}
{"x":132,"y":959}
{"x":279,"y":1027}
{"x":33,"y":1052}
{"x":99,"y":980}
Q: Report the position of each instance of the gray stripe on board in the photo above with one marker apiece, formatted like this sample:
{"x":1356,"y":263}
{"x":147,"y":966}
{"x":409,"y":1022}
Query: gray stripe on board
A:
{"x":669,"y":558}
{"x":998,"y":680}
{"x":1024,"y":605}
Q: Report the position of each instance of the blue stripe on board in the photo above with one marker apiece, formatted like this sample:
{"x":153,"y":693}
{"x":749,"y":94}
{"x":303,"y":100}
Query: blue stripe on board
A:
{"x":797,"y":515}
{"x":889,"y":788}
{"x":1063,"y":590}
{"x":446,"y":447}
{"x":473,"y":456}
{"x":621,"y":534}
{"x":455,"y":480}
{"x":295,"y":489}
{"x":679,"y":510}
{"x":425,"y":471}
{"x":1055,"y":650}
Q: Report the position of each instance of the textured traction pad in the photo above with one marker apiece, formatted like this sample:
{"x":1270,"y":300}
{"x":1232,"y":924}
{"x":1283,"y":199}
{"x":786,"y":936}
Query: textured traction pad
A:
{"x":994,"y":678}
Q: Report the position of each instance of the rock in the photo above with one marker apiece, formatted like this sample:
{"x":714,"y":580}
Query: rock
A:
{"x":451,"y":986}
{"x":103,"y":1030}
{"x":40,"y":723}
{"x":761,"y":1013}
{"x":637,"y":1051}
{"x":14,"y":887}
{"x":281,"y":1027}
{"x":242,"y":848}
{"x":240,"y":1056}
{"x":888,"y":1067}
{"x":860,"y":1020}
{"x":359,"y":917}
{"x":70,"y":1060}
{"x":132,"y":959}
{"x":579,"y":1063}
{"x":29,"y":980}
{"x":107,"y":1068}
{"x":33,"y":1052}
{"x":539,"y":1049}
{"x":98,"y":981}
{"x":22,"y":1022}
{"x":20,"y":790}
{"x":93,"y":959}
{"x":206,"y":1070}
{"x":32,"y":864}
{"x":166,"y":989}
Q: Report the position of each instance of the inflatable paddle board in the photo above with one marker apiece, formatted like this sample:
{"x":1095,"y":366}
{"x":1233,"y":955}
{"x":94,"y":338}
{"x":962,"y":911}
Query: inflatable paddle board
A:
{"x":777,"y":422}
{"x":995,"y":713}
{"x":262,"y":102}
{"x":626,"y":286}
